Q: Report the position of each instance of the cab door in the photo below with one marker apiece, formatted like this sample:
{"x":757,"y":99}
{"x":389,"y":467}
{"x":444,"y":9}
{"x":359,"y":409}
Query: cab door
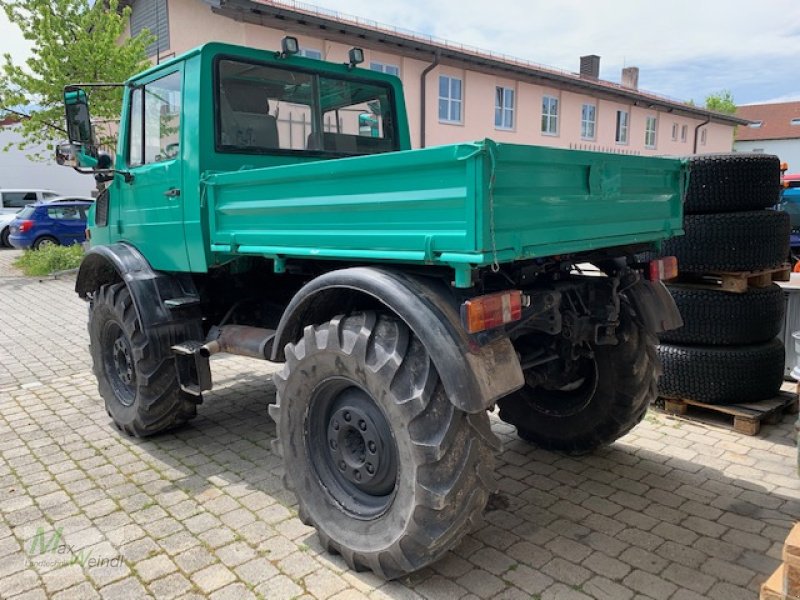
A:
{"x":149,"y":207}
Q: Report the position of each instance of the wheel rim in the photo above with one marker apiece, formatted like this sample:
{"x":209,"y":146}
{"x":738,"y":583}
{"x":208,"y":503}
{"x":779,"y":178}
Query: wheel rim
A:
{"x":119,"y":364}
{"x":351,"y":446}
{"x":570,"y":398}
{"x":45,"y":243}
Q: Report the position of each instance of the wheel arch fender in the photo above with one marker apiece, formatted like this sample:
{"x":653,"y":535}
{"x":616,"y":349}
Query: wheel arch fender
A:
{"x":476,"y":370}
{"x":654,"y":305}
{"x":150,"y":289}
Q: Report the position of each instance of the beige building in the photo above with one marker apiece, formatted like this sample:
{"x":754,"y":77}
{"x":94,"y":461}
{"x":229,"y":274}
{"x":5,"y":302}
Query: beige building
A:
{"x":456,"y":93}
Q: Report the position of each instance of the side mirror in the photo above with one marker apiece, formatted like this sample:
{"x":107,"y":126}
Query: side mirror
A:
{"x":79,"y":125}
{"x":67,"y":154}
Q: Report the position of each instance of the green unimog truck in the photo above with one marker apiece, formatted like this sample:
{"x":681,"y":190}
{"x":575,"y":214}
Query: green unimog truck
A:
{"x":269,"y":205}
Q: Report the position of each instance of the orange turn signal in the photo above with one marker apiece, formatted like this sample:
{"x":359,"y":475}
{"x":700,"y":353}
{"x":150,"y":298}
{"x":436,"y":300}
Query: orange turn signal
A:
{"x":492,"y":310}
{"x":664,"y":268}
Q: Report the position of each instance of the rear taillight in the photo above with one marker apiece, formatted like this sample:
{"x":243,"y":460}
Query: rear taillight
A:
{"x":663,"y":268}
{"x":88,"y":234}
{"x":490,"y":311}
{"x":25,"y":226}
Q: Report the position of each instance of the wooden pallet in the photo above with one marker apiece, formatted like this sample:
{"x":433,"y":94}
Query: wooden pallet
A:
{"x":747,"y":417}
{"x":735,"y":282}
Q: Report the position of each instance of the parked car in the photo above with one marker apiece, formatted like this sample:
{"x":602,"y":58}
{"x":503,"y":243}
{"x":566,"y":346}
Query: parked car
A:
{"x":790,"y":203}
{"x":61,"y":222}
{"x":12,"y":201}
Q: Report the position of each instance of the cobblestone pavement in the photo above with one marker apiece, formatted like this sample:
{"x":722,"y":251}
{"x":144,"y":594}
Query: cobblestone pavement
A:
{"x":674,"y":510}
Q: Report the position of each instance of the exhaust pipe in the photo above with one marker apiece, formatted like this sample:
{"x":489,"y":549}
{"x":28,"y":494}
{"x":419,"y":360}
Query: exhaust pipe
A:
{"x":242,"y":340}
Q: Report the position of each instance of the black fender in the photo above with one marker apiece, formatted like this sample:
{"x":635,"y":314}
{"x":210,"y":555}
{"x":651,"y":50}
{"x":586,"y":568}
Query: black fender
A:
{"x":156,"y":294}
{"x":476,"y":370}
{"x":654,"y":305}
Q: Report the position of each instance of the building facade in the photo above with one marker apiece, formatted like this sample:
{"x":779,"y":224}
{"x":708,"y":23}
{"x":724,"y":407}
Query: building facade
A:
{"x":455,"y":93}
{"x":773,"y":129}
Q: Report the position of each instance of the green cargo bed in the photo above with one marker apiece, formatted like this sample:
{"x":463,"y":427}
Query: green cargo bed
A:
{"x":462,"y":205}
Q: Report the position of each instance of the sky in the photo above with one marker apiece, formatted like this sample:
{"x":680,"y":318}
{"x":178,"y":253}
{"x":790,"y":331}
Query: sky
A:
{"x":685,"y":49}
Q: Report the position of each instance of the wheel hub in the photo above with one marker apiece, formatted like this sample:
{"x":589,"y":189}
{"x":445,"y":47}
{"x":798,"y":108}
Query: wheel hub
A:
{"x":353,"y":450}
{"x":119,"y":363}
{"x":122,"y":361}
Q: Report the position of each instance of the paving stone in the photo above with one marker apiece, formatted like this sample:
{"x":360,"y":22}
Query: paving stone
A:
{"x":212,"y":578}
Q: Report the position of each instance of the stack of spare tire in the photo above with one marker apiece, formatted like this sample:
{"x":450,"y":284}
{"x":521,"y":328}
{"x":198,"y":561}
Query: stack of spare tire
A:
{"x":727,"y":351}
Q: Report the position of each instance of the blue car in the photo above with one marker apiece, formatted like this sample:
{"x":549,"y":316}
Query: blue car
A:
{"x":56,"y":222}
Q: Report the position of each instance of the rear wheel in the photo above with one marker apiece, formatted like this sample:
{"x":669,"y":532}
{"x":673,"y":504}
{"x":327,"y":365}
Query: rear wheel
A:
{"x":135,"y":369}
{"x":4,"y":237}
{"x":44,"y":242}
{"x":389,"y":472}
{"x":606,"y":396}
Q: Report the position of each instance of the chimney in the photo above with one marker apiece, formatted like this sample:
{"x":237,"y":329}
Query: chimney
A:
{"x":590,"y":66}
{"x":630,"y":77}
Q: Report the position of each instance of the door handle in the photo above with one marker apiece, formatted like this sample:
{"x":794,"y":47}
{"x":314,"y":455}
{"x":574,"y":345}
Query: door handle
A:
{"x":172,"y":193}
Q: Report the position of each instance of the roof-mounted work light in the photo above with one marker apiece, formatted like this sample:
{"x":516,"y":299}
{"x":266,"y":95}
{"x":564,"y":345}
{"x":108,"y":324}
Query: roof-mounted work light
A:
{"x":289,"y":46}
{"x":355,"y":57}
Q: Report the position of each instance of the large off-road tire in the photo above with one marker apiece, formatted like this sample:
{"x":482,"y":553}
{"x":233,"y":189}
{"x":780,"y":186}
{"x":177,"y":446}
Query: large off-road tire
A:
{"x":741,"y":241}
{"x":389,"y":472}
{"x":597,"y":412}
{"x":135,"y":369}
{"x":714,"y":317}
{"x":722,"y":374}
{"x":732,"y":182}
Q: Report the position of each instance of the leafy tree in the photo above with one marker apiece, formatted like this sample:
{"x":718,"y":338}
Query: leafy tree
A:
{"x":721,"y":101}
{"x":74,"y":41}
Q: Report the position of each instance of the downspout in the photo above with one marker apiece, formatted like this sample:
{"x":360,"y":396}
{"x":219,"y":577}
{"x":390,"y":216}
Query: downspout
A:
{"x":422,"y":79}
{"x":697,"y":129}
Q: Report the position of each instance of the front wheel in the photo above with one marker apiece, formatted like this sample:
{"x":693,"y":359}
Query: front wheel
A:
{"x":608,"y":397}
{"x":135,"y":369}
{"x":389,"y":472}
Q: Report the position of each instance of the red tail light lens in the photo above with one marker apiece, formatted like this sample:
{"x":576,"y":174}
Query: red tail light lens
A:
{"x":490,"y":311}
{"x":663,"y":268}
{"x":25,"y":226}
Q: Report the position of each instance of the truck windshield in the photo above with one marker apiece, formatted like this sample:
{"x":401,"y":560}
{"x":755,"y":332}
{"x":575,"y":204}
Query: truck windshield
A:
{"x":264,"y":109}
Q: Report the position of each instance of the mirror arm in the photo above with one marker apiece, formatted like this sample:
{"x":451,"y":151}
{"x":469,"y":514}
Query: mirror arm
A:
{"x":126,"y":175}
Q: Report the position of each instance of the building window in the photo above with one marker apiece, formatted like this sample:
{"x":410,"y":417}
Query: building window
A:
{"x":503,"y":108}
{"x":703,"y":136}
{"x":450,"y":99}
{"x":588,"y":121}
{"x":794,"y":122}
{"x":650,"y":132}
{"x":756,"y":124}
{"x":310,"y":53}
{"x":622,"y":127}
{"x":549,"y":115}
{"x":684,"y":132}
{"x":153,"y":16}
{"x":385,"y":68}
{"x":674,"y":132}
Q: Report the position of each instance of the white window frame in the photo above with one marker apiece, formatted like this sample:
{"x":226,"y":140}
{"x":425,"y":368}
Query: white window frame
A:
{"x":382,"y":67}
{"x":310,"y":53}
{"x":684,"y":133}
{"x":674,"y":132}
{"x":504,"y":99}
{"x":587,"y":123}
{"x":549,"y":124}
{"x":650,"y":129}
{"x":452,"y":102}
{"x":622,"y":127}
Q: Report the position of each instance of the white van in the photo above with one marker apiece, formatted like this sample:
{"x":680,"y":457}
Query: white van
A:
{"x":13,"y":201}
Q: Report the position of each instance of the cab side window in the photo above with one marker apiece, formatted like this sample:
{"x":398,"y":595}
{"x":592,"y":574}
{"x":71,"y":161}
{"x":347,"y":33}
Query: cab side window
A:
{"x":155,"y":119}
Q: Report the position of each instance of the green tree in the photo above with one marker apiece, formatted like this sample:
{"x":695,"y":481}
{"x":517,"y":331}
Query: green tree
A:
{"x":721,"y":101}
{"x":73,"y":41}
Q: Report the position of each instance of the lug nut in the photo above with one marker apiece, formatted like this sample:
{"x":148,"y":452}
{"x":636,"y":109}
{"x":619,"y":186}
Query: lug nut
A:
{"x":342,"y":465}
{"x":333,"y":444}
{"x":347,"y":416}
{"x":371,"y":446}
{"x":336,"y":425}
{"x":370,"y":468}
{"x":357,"y":475}
{"x":362,"y":425}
